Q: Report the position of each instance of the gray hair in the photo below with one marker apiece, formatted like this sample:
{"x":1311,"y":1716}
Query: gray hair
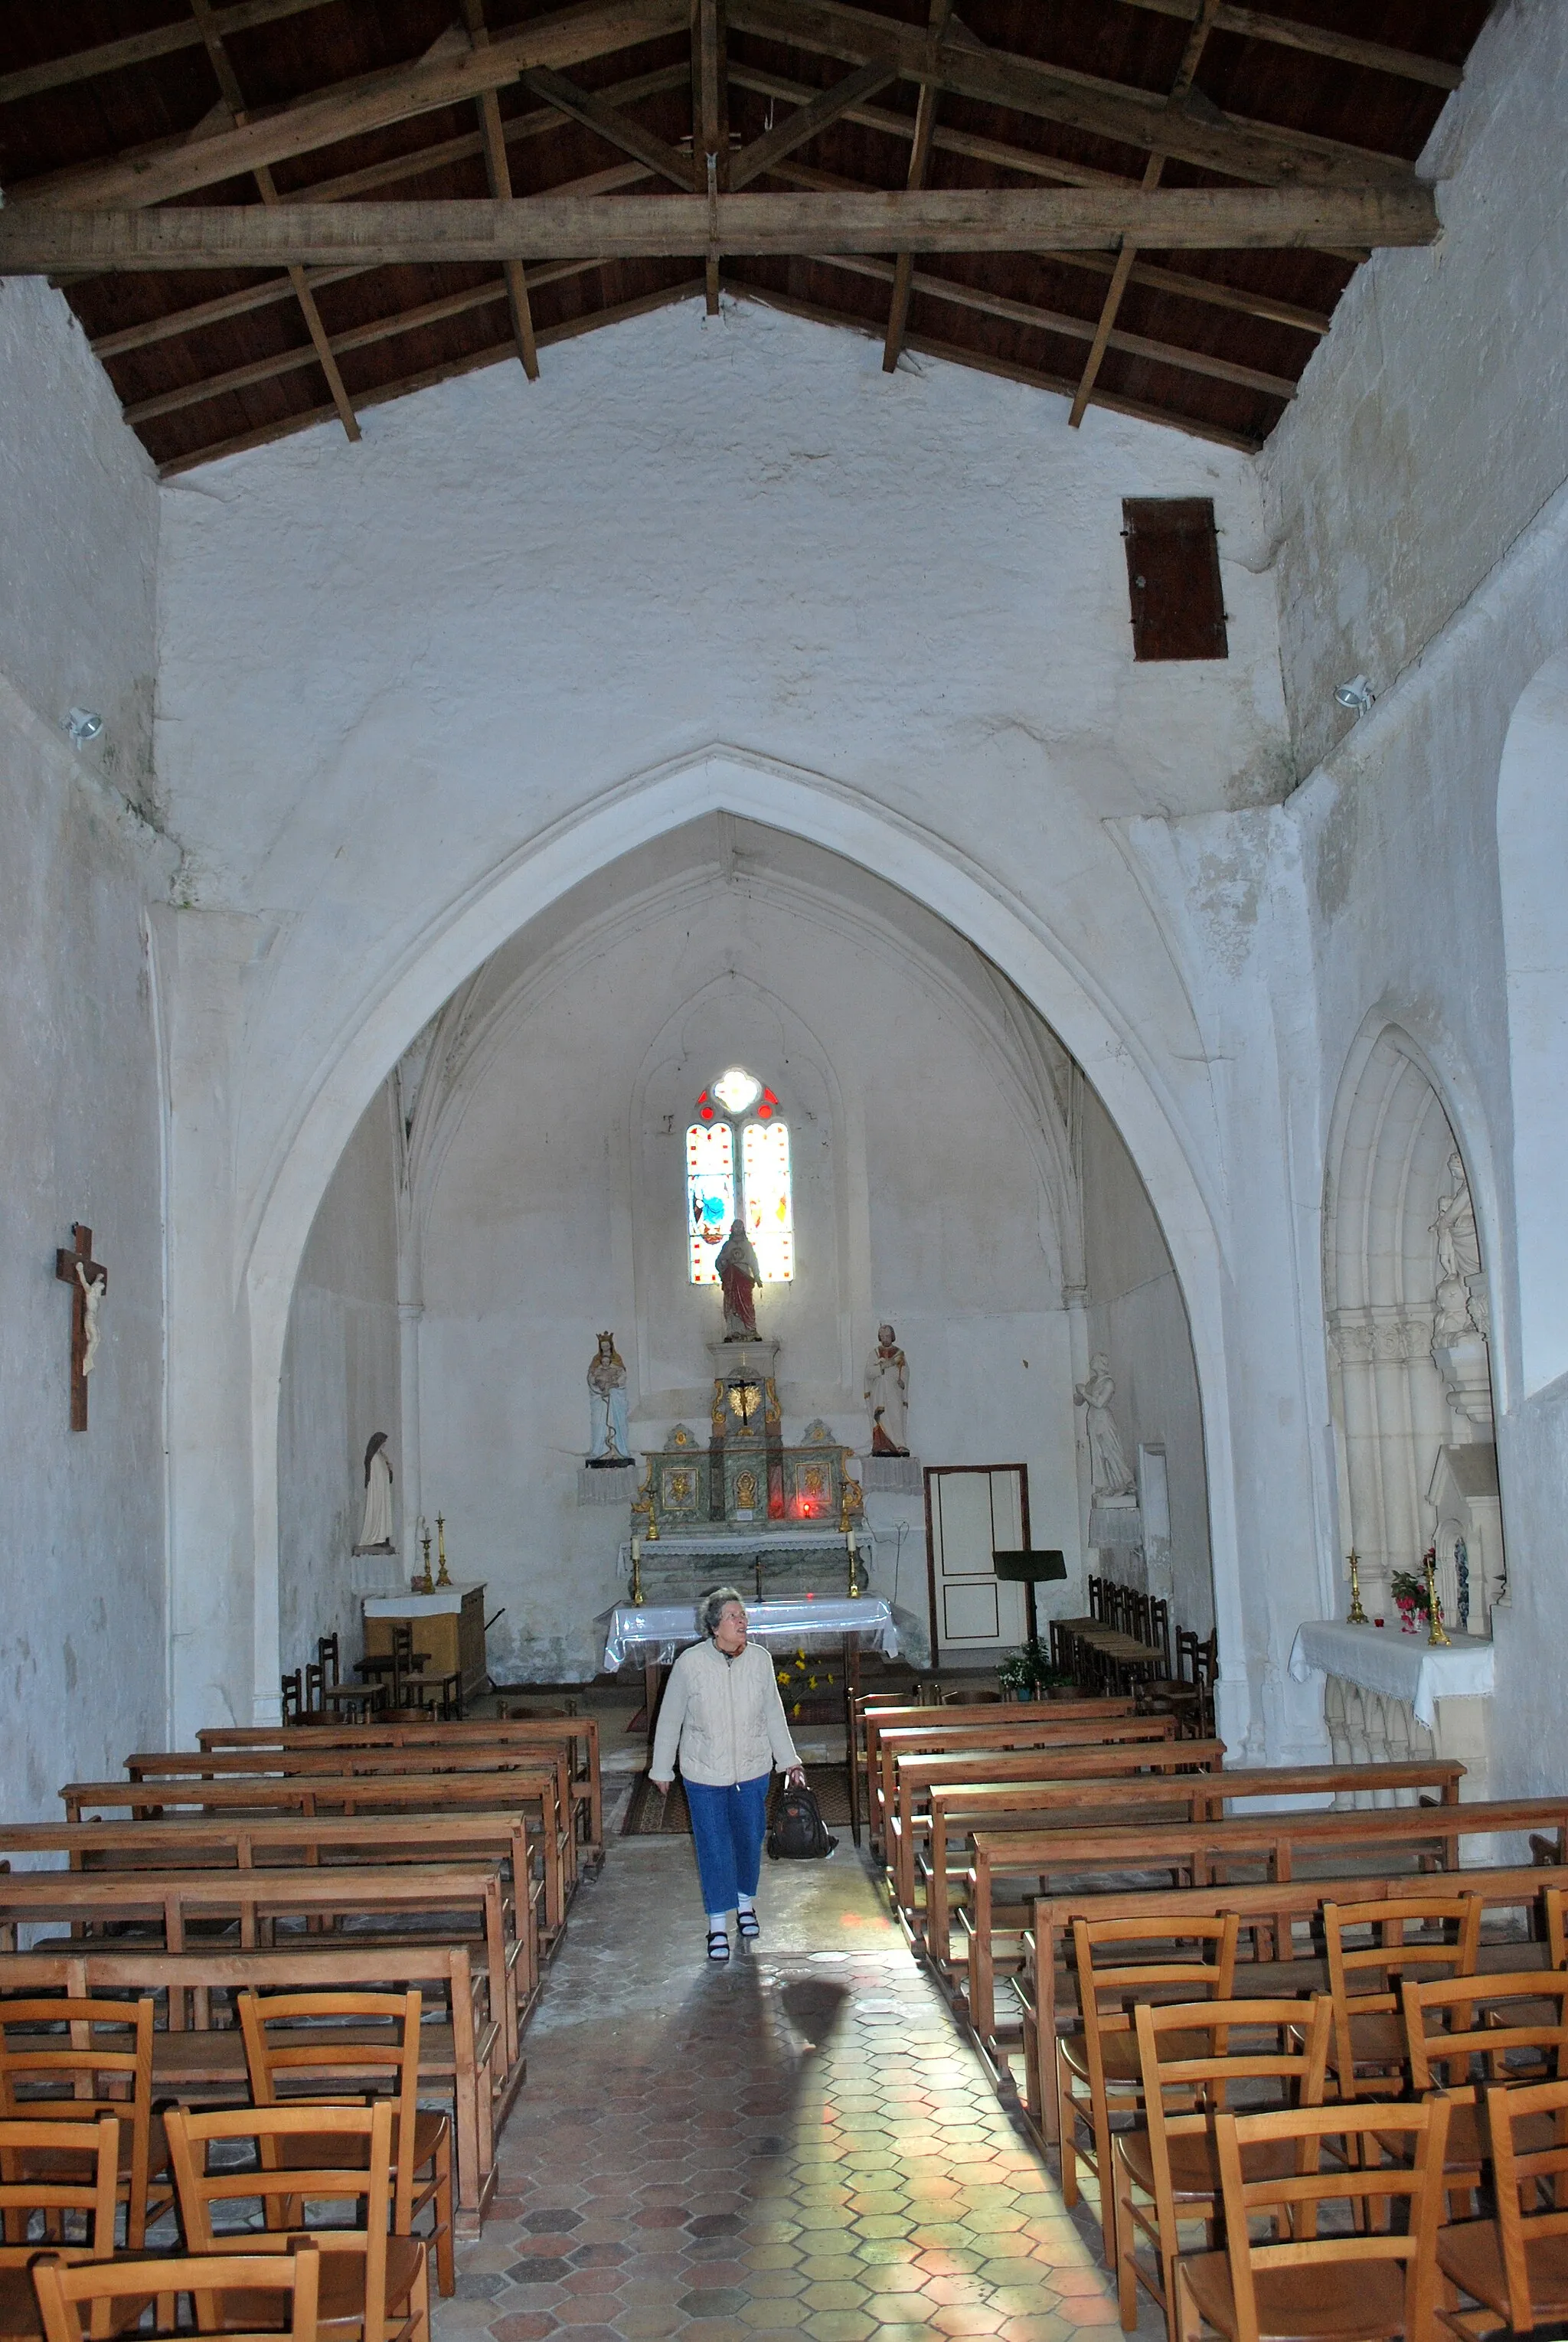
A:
{"x":712,"y":1606}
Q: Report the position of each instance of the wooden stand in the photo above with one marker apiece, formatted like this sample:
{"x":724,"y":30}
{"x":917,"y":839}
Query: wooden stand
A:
{"x":449,"y":1625}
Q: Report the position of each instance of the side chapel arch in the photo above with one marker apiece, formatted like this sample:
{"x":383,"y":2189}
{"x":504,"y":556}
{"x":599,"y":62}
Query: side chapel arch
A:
{"x":1408,"y":1314}
{"x":460,"y":936}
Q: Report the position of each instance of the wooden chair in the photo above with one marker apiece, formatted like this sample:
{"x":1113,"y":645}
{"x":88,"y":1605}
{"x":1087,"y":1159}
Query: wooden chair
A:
{"x":74,"y":2061}
{"x":82,"y":2178}
{"x":223,"y":2293}
{"x":1459,"y":2026}
{"x":1194,"y":2054}
{"x":1375,"y":2281}
{"x":293,"y":1698}
{"x":1097,"y":2069}
{"x":375,"y":2286}
{"x":1368,"y":2056}
{"x":362,"y":2031}
{"x":1515,"y":2267}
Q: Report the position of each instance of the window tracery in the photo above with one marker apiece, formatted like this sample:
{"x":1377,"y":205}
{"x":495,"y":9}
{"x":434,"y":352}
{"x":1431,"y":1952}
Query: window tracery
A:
{"x":738,"y":1168}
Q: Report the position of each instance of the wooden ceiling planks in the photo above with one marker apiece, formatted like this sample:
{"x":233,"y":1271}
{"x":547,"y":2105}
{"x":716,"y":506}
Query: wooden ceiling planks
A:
{"x":1022,"y":93}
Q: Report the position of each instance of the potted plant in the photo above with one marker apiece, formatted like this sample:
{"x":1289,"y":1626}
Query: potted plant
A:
{"x":1027,"y":1674}
{"x":1408,"y":1594}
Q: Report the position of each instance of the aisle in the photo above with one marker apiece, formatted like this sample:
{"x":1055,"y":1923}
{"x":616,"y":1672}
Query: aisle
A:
{"x":799,"y":2145}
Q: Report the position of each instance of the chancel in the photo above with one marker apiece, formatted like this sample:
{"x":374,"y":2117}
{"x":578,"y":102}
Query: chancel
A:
{"x":784,"y":818}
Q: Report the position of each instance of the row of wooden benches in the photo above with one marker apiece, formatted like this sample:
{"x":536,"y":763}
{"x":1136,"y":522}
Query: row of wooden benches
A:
{"x":442,"y":1857}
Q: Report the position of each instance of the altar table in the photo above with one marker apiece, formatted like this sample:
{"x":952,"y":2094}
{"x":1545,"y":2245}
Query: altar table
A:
{"x":1401,"y":1666}
{"x":657,"y":1631}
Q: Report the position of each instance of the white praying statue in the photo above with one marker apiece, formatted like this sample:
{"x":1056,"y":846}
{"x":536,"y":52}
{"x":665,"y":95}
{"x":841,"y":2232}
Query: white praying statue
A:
{"x":92,"y":1291}
{"x":1108,"y":1473}
{"x":375,"y":1530}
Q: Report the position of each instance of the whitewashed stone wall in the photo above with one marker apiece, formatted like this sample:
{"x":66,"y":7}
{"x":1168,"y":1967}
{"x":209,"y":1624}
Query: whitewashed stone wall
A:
{"x":83,"y":1640}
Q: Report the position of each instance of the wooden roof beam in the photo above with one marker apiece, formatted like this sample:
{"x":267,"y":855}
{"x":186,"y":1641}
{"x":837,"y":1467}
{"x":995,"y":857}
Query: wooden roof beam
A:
{"x":1186,"y":72}
{"x":812,"y":114}
{"x":37,"y":240}
{"x":590,"y":29}
{"x":1316,"y":40}
{"x":143,"y":48}
{"x":233,"y":100}
{"x":710,"y":121}
{"x":498,"y":172}
{"x":1242,"y":149}
{"x":1024,"y":160}
{"x":919,"y":164}
{"x":618,"y":130}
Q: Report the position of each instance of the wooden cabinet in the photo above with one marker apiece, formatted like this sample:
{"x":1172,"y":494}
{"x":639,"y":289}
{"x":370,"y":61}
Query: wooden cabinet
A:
{"x":449,"y":1625}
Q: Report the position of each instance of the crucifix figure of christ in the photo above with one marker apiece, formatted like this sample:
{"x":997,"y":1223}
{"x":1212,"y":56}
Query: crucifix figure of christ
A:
{"x":89,"y":1281}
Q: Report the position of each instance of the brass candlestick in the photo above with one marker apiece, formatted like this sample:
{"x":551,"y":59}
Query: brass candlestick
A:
{"x":425,"y":1584}
{"x":854,"y":1566}
{"x":1356,"y":1615}
{"x":440,"y":1550}
{"x":1434,"y":1634}
{"x":637,"y":1572}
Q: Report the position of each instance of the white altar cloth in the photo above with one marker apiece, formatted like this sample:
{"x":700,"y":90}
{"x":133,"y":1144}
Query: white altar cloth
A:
{"x":661,"y":1629}
{"x":1405,"y":1666}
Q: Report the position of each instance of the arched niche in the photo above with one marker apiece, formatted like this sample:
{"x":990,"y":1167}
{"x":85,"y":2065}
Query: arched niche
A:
{"x":1532,"y":856}
{"x":1409,"y":1323}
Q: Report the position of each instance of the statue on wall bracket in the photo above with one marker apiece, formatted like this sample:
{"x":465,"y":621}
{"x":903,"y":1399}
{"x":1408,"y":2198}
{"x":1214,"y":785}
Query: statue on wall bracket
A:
{"x":609,"y":1439}
{"x":740,"y":1274}
{"x":888,"y":1395}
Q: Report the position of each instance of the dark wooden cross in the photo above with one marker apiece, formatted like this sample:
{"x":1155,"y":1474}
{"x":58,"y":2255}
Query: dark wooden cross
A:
{"x":66,"y":1265}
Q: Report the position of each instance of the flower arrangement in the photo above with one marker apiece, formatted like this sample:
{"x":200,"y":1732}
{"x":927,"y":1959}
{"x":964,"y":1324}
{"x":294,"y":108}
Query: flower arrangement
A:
{"x":1408,"y":1593}
{"x":1028,"y":1674}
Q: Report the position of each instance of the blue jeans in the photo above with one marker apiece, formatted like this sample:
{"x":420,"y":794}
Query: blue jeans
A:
{"x":728,"y":1827}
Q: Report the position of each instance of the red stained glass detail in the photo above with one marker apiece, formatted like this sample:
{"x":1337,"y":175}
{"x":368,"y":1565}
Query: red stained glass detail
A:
{"x":707,"y":1114}
{"x":763,"y":1112}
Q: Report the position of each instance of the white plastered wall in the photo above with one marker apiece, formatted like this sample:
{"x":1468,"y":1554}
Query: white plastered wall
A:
{"x":83,"y":1641}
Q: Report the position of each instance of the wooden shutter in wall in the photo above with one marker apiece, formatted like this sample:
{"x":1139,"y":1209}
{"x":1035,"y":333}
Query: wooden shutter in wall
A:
{"x":1173,"y":577}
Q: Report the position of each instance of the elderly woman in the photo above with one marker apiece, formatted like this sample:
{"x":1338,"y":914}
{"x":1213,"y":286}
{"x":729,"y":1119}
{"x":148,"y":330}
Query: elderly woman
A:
{"x":723,"y":1713}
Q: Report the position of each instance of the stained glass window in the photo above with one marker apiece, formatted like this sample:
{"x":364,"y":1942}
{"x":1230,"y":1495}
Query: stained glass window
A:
{"x":737,"y":1167}
{"x":710,"y":1196}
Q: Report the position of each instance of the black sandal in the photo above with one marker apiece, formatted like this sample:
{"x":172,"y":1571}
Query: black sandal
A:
{"x":718,"y":1947}
{"x":747,"y":1926}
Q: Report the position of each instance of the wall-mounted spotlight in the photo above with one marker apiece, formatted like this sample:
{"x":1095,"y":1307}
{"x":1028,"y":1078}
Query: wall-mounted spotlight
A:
{"x":1357,"y":695}
{"x":83,"y":723}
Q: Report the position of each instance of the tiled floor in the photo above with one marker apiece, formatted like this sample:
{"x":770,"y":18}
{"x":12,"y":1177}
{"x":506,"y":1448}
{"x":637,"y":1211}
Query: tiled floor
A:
{"x":798,"y":2146}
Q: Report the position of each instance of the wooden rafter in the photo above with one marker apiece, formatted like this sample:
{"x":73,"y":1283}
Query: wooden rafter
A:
{"x":1023,"y":159}
{"x":36,"y":239}
{"x":373,"y":102}
{"x":618,"y":130}
{"x":233,"y":99}
{"x":919,"y":164}
{"x":143,"y":48}
{"x":1257,"y":151}
{"x":1191,"y":56}
{"x":498,"y":172}
{"x":812,"y":114}
{"x":1316,"y":40}
{"x":710,"y":123}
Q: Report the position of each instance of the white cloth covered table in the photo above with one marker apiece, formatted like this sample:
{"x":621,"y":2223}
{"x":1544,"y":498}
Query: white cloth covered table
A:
{"x":1404,"y":1667}
{"x":658,"y":1630}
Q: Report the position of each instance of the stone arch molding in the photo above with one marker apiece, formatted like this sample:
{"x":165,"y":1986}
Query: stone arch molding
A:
{"x":1117,"y":1058}
{"x":1532,"y":857}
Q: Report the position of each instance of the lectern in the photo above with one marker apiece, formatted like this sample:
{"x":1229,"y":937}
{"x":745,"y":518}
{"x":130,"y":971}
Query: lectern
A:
{"x":1023,"y":1566}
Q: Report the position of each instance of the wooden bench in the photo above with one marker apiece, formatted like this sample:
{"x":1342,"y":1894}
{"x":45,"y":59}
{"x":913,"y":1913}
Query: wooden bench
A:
{"x":1269,"y":1914}
{"x":1053,"y":1731}
{"x":908,"y":1817}
{"x":1148,"y":1800}
{"x":171,"y":1901}
{"x":249,"y":1841}
{"x":581,"y":1733}
{"x":353,"y":1794}
{"x":880,"y":1721}
{"x":1429,"y":1836}
{"x":461,"y":2059}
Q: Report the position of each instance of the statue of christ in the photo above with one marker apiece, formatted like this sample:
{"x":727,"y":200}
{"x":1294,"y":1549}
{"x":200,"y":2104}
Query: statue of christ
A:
{"x":740,"y":1274}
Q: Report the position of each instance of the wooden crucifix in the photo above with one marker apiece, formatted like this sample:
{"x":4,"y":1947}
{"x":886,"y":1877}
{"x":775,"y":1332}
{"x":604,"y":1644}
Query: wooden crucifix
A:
{"x":89,"y":1281}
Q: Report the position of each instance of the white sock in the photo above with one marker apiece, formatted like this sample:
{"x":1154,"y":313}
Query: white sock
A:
{"x":716,"y":1922}
{"x":745,"y":1902}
